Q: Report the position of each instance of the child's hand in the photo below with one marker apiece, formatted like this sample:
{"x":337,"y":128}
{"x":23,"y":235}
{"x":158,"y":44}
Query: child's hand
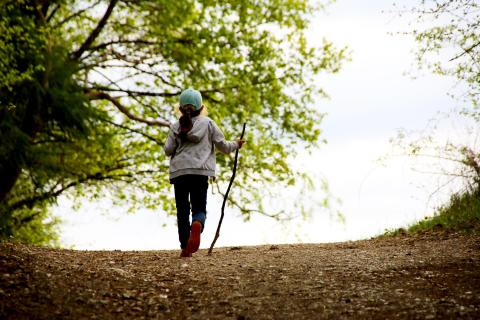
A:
{"x":240,"y":143}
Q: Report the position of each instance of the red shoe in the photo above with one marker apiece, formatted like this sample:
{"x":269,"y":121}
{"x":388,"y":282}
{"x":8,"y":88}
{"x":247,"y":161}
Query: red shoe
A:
{"x":185,"y":254}
{"x":194,"y":240}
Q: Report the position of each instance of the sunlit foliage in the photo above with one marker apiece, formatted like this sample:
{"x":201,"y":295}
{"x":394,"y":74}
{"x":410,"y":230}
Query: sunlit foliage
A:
{"x":88,"y":90}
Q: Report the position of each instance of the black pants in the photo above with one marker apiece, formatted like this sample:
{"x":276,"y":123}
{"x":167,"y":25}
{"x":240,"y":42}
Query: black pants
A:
{"x":190,"y":190}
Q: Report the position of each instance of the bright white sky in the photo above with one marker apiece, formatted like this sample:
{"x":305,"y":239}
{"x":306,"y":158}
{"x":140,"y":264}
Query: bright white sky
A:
{"x":370,"y":99}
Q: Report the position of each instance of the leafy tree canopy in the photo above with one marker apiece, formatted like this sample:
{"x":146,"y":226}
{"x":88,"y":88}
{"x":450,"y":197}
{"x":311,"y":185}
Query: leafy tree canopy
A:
{"x":449,"y":28}
{"x":447,"y":33}
{"x":89,"y":88}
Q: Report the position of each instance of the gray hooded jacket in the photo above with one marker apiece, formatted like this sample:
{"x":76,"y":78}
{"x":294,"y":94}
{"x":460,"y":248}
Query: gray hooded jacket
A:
{"x":197,"y":155}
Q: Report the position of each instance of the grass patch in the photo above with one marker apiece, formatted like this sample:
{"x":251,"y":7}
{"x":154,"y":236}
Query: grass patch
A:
{"x":461,"y":213}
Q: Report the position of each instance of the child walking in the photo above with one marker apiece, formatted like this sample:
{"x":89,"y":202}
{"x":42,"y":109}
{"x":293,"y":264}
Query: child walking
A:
{"x":191,"y":147}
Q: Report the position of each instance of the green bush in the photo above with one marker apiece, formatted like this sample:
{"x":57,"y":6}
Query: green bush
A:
{"x":461,"y":213}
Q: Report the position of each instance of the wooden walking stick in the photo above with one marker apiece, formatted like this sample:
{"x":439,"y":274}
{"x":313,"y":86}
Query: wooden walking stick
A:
{"x":217,"y":234}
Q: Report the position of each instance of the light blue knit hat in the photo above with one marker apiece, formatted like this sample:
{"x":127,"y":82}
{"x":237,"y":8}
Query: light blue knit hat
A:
{"x":191,"y":96}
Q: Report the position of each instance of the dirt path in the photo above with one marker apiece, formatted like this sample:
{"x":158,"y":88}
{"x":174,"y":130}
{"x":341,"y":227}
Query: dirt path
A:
{"x":425,"y":277}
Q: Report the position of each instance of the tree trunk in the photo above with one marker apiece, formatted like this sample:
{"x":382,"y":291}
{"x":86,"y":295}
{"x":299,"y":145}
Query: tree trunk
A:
{"x":9,"y":172}
{"x":27,"y":117}
{"x":30,"y":124}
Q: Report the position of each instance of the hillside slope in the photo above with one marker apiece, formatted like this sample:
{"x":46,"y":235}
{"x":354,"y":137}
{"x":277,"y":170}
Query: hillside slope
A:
{"x":429,"y":276}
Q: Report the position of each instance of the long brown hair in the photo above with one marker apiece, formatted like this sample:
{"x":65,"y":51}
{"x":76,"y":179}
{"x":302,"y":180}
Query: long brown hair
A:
{"x":188,"y":112}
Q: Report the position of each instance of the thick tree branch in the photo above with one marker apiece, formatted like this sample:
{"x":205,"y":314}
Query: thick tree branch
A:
{"x":97,"y":95}
{"x":91,"y":38}
{"x":45,"y":7}
{"x":19,"y":222}
{"x":39,"y":11}
{"x":149,"y":137}
{"x":136,"y":41}
{"x":115,"y":84}
{"x":51,"y":14}
{"x":135,"y":93}
{"x":30,"y":202}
